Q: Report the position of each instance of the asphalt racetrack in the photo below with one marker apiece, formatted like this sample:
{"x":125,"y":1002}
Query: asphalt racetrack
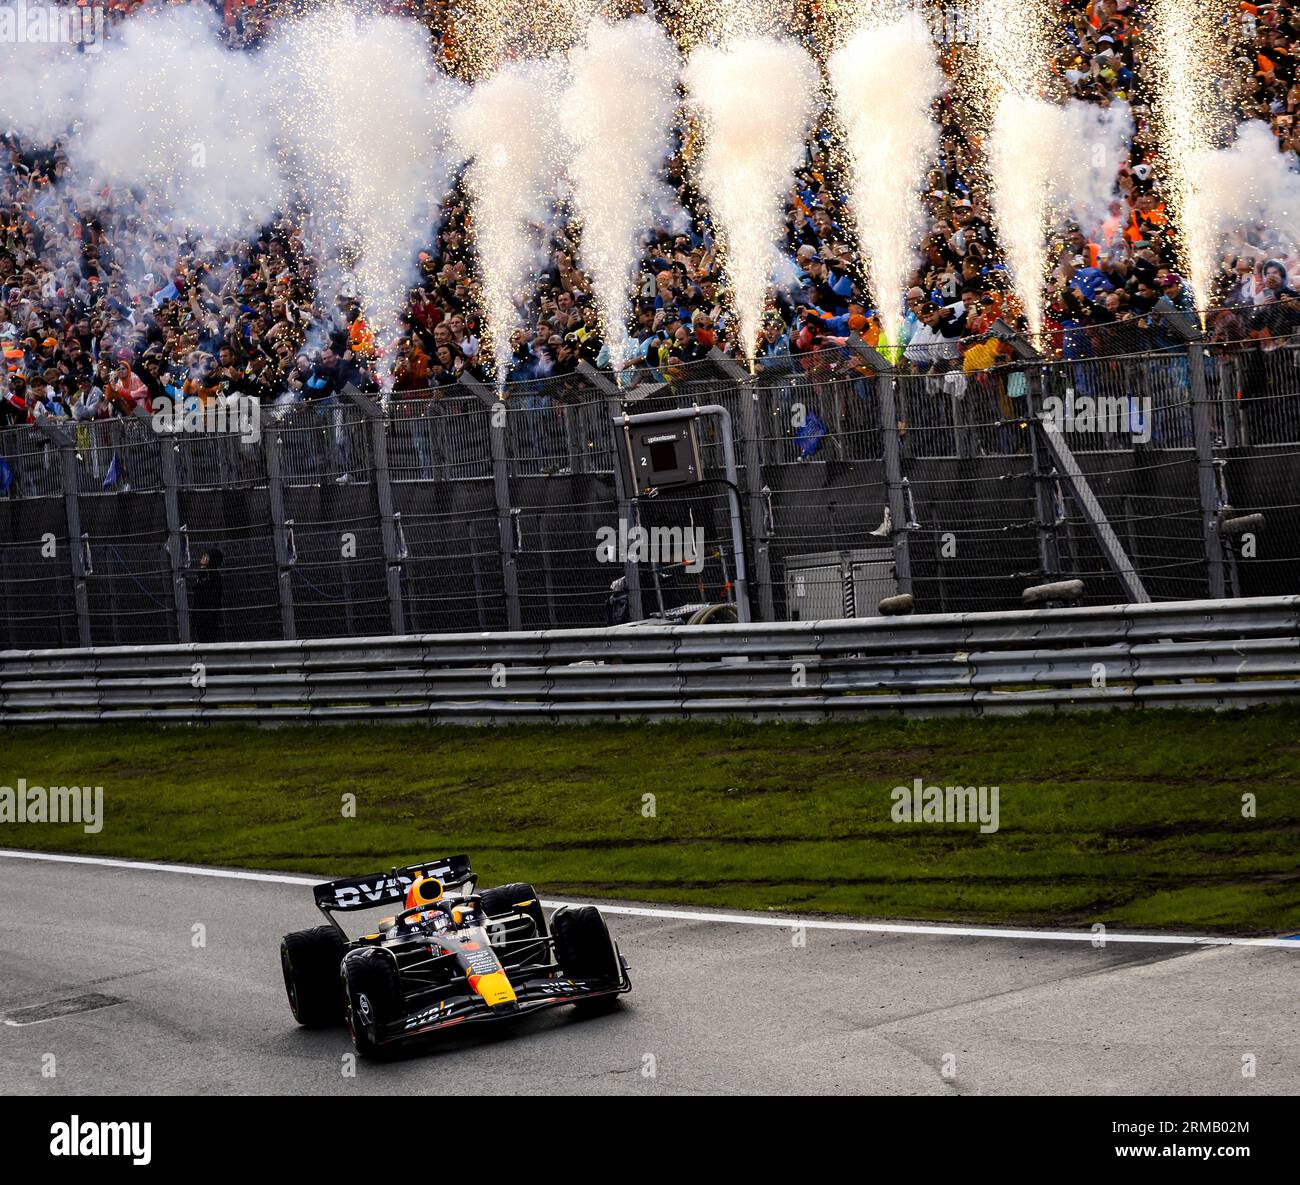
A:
{"x":100,"y":967}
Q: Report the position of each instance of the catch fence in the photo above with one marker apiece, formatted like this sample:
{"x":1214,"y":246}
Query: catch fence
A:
{"x":455,"y":510}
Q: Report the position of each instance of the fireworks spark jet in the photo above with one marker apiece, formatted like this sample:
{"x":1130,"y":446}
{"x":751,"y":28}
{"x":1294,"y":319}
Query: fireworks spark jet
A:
{"x":1189,"y":54}
{"x":1046,"y":160}
{"x":366,"y":118}
{"x":617,"y":112}
{"x":1013,"y":63}
{"x":885,"y":80}
{"x":756,"y":101}
{"x":513,"y":178}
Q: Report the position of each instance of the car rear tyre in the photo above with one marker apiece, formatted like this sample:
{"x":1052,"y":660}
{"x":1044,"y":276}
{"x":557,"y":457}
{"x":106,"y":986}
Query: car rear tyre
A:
{"x":373,"y":996}
{"x":506,"y":899}
{"x":309,"y":960}
{"x":584,"y":950}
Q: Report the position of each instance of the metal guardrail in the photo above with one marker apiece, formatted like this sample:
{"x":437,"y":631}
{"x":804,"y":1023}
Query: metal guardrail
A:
{"x":1224,"y":653}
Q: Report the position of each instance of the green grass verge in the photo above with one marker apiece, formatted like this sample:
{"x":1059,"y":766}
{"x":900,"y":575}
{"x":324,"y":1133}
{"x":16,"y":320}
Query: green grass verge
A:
{"x":1133,"y":819}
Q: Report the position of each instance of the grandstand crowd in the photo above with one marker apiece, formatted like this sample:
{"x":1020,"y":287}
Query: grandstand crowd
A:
{"x":103,"y":311}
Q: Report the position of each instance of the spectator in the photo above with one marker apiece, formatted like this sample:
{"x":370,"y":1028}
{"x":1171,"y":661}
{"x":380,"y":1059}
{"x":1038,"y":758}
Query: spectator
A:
{"x":126,"y":392}
{"x":1274,"y":283}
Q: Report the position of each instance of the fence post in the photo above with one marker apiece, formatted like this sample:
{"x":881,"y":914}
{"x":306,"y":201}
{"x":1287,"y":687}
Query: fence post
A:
{"x":72,"y":512}
{"x":1228,"y":387}
{"x":888,"y":384}
{"x":1049,"y":546}
{"x":377,"y":426}
{"x":754,"y":486}
{"x":497,"y":427}
{"x":878,"y":371}
{"x":1206,"y":478}
{"x":628,"y":516}
{"x":963,"y":446}
{"x":759,"y":540}
{"x":175,"y":542}
{"x":1046,"y":468}
{"x":280,"y":532}
{"x":613,"y":399}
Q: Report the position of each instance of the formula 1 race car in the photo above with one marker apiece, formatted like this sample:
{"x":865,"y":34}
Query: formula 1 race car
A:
{"x":451,"y":957}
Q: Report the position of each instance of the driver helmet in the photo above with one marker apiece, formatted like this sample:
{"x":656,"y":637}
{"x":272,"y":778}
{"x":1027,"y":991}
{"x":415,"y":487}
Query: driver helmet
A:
{"x":424,"y":890}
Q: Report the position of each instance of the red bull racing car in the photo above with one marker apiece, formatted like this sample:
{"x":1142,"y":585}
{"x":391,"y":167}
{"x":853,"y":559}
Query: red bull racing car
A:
{"x":451,"y":957}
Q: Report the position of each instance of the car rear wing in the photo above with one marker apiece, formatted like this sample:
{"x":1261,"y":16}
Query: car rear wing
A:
{"x":385,"y":888}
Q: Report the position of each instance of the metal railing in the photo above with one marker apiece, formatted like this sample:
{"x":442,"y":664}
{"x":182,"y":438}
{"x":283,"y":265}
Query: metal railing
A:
{"x":1221,"y":654}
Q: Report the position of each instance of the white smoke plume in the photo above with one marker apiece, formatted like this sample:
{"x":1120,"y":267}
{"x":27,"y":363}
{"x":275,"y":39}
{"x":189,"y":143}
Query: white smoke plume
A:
{"x":41,"y":88}
{"x":885,"y":80}
{"x":1049,"y":162}
{"x":617,"y":112}
{"x":345,"y":110}
{"x":508,"y":127}
{"x":1088,"y":149}
{"x":756,"y":98}
{"x":1249,"y":183}
{"x":169,"y":108}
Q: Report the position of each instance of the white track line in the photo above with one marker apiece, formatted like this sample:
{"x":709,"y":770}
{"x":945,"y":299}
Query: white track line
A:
{"x":145,"y":866}
{"x":724,"y":919}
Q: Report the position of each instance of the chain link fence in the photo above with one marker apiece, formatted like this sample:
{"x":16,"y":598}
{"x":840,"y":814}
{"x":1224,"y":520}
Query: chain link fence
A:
{"x":463,"y":509}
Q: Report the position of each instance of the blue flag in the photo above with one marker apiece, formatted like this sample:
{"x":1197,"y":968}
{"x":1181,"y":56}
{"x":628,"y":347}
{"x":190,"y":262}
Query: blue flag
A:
{"x":810,"y":435}
{"x":113,"y":474}
{"x":6,"y":476}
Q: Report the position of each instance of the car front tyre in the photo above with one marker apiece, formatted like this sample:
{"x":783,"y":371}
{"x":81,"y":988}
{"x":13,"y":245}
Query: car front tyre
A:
{"x":584,"y":950}
{"x":373,"y":997}
{"x":309,"y":962}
